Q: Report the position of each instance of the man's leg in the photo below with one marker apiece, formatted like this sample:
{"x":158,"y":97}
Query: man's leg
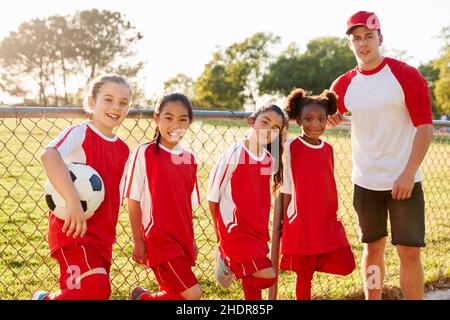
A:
{"x":371,"y":207}
{"x":372,"y":268}
{"x":411,"y":272}
{"x":408,"y":234}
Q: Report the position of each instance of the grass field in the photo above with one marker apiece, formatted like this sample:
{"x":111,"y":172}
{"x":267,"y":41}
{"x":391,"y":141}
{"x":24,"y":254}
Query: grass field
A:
{"x":25,"y":265}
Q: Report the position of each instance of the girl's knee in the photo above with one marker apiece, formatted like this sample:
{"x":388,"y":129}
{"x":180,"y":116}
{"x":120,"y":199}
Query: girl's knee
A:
{"x":265,"y":273}
{"x":259,"y":282}
{"x":96,"y":287}
{"x":105,"y":292}
{"x":347,"y":269}
{"x":193,"y":293}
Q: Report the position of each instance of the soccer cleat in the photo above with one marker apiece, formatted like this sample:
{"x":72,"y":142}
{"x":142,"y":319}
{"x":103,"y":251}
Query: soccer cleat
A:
{"x":39,"y":295}
{"x":137,"y":293}
{"x":224,"y":275}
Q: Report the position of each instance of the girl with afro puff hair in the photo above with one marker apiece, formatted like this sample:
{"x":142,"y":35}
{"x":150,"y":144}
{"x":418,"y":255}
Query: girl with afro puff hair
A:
{"x":312,"y":235}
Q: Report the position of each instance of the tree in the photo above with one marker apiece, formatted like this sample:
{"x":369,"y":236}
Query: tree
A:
{"x":230,"y":80}
{"x":180,"y":83}
{"x":442,"y":85}
{"x":398,"y":54}
{"x":40,"y":59}
{"x":324,"y":60}
{"x":23,"y":54}
{"x":215,"y":89}
{"x":103,"y":38}
{"x":431,"y":75}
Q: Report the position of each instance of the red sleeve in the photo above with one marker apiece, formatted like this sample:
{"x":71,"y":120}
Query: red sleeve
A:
{"x":340,"y":86}
{"x":417,"y":94}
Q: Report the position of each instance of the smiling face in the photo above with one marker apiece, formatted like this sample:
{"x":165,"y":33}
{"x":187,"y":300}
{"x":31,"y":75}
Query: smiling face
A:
{"x":266,"y":127}
{"x":313,"y":119}
{"x":365,"y":44}
{"x":110,"y":107}
{"x":173,"y":122}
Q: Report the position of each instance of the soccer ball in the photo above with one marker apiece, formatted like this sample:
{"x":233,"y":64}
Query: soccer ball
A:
{"x":89,"y":186}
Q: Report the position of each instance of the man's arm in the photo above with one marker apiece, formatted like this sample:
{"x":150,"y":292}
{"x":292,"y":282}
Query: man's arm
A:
{"x":404,"y":184}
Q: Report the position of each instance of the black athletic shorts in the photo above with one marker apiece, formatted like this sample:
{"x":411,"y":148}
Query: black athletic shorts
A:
{"x":407,"y":217}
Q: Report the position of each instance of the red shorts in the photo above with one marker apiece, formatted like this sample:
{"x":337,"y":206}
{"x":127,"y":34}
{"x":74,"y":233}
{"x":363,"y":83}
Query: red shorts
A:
{"x":246,"y":268}
{"x":340,"y":261}
{"x":76,"y":262}
{"x":175,"y":275}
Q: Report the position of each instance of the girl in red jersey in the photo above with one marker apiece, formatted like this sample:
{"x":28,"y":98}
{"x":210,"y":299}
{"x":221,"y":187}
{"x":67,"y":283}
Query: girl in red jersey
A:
{"x":83,"y":248}
{"x":161,"y":189}
{"x":313,"y":237}
{"x":239,"y":200}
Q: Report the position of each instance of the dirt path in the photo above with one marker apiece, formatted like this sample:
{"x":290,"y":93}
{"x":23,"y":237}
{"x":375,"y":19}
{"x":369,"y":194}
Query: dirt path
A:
{"x":438,"y":295}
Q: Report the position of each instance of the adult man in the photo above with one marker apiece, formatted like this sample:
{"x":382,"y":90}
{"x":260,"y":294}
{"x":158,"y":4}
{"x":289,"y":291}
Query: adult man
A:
{"x":391,"y":130}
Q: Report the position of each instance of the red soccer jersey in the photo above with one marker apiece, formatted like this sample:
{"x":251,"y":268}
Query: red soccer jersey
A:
{"x":311,"y":225}
{"x":84,"y":143}
{"x":240,"y":183}
{"x":165,"y":184}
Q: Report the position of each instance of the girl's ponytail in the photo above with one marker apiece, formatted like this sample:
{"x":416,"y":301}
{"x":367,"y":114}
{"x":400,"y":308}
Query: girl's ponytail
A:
{"x":293,"y":101}
{"x":278,"y":176}
{"x":157,"y":137}
{"x":331,"y":98}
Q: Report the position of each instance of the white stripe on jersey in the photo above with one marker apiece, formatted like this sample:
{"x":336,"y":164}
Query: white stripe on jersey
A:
{"x":287,"y":186}
{"x":123,"y":180}
{"x":69,"y":143}
{"x":219,"y":188}
{"x":222,"y":172}
{"x":137,"y":186}
{"x":195,"y":196}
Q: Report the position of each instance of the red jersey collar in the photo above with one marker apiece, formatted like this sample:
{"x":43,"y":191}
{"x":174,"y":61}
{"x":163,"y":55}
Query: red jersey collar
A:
{"x":373,"y":71}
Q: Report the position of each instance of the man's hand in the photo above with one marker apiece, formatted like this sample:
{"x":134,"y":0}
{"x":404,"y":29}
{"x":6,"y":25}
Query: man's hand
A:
{"x":334,"y":120}
{"x":403,"y":186}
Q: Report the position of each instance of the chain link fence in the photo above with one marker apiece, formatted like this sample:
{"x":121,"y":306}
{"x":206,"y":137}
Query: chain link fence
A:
{"x":25,"y":265}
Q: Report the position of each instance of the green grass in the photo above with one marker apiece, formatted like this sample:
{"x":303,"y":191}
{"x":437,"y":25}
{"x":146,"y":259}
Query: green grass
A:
{"x":25,"y":265}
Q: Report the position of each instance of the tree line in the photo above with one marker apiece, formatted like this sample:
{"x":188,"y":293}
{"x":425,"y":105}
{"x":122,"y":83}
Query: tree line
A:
{"x":41,"y":61}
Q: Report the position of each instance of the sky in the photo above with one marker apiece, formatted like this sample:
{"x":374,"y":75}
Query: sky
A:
{"x":180,"y":36}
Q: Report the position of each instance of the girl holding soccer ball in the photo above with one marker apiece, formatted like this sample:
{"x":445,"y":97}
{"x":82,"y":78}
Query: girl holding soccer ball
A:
{"x":83,"y":248}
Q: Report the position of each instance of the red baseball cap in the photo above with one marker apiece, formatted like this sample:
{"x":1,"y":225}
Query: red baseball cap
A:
{"x":363,"y":18}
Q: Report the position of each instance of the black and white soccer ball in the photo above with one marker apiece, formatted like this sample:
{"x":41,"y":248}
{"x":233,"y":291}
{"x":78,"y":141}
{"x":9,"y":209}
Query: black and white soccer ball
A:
{"x":89,"y":186}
